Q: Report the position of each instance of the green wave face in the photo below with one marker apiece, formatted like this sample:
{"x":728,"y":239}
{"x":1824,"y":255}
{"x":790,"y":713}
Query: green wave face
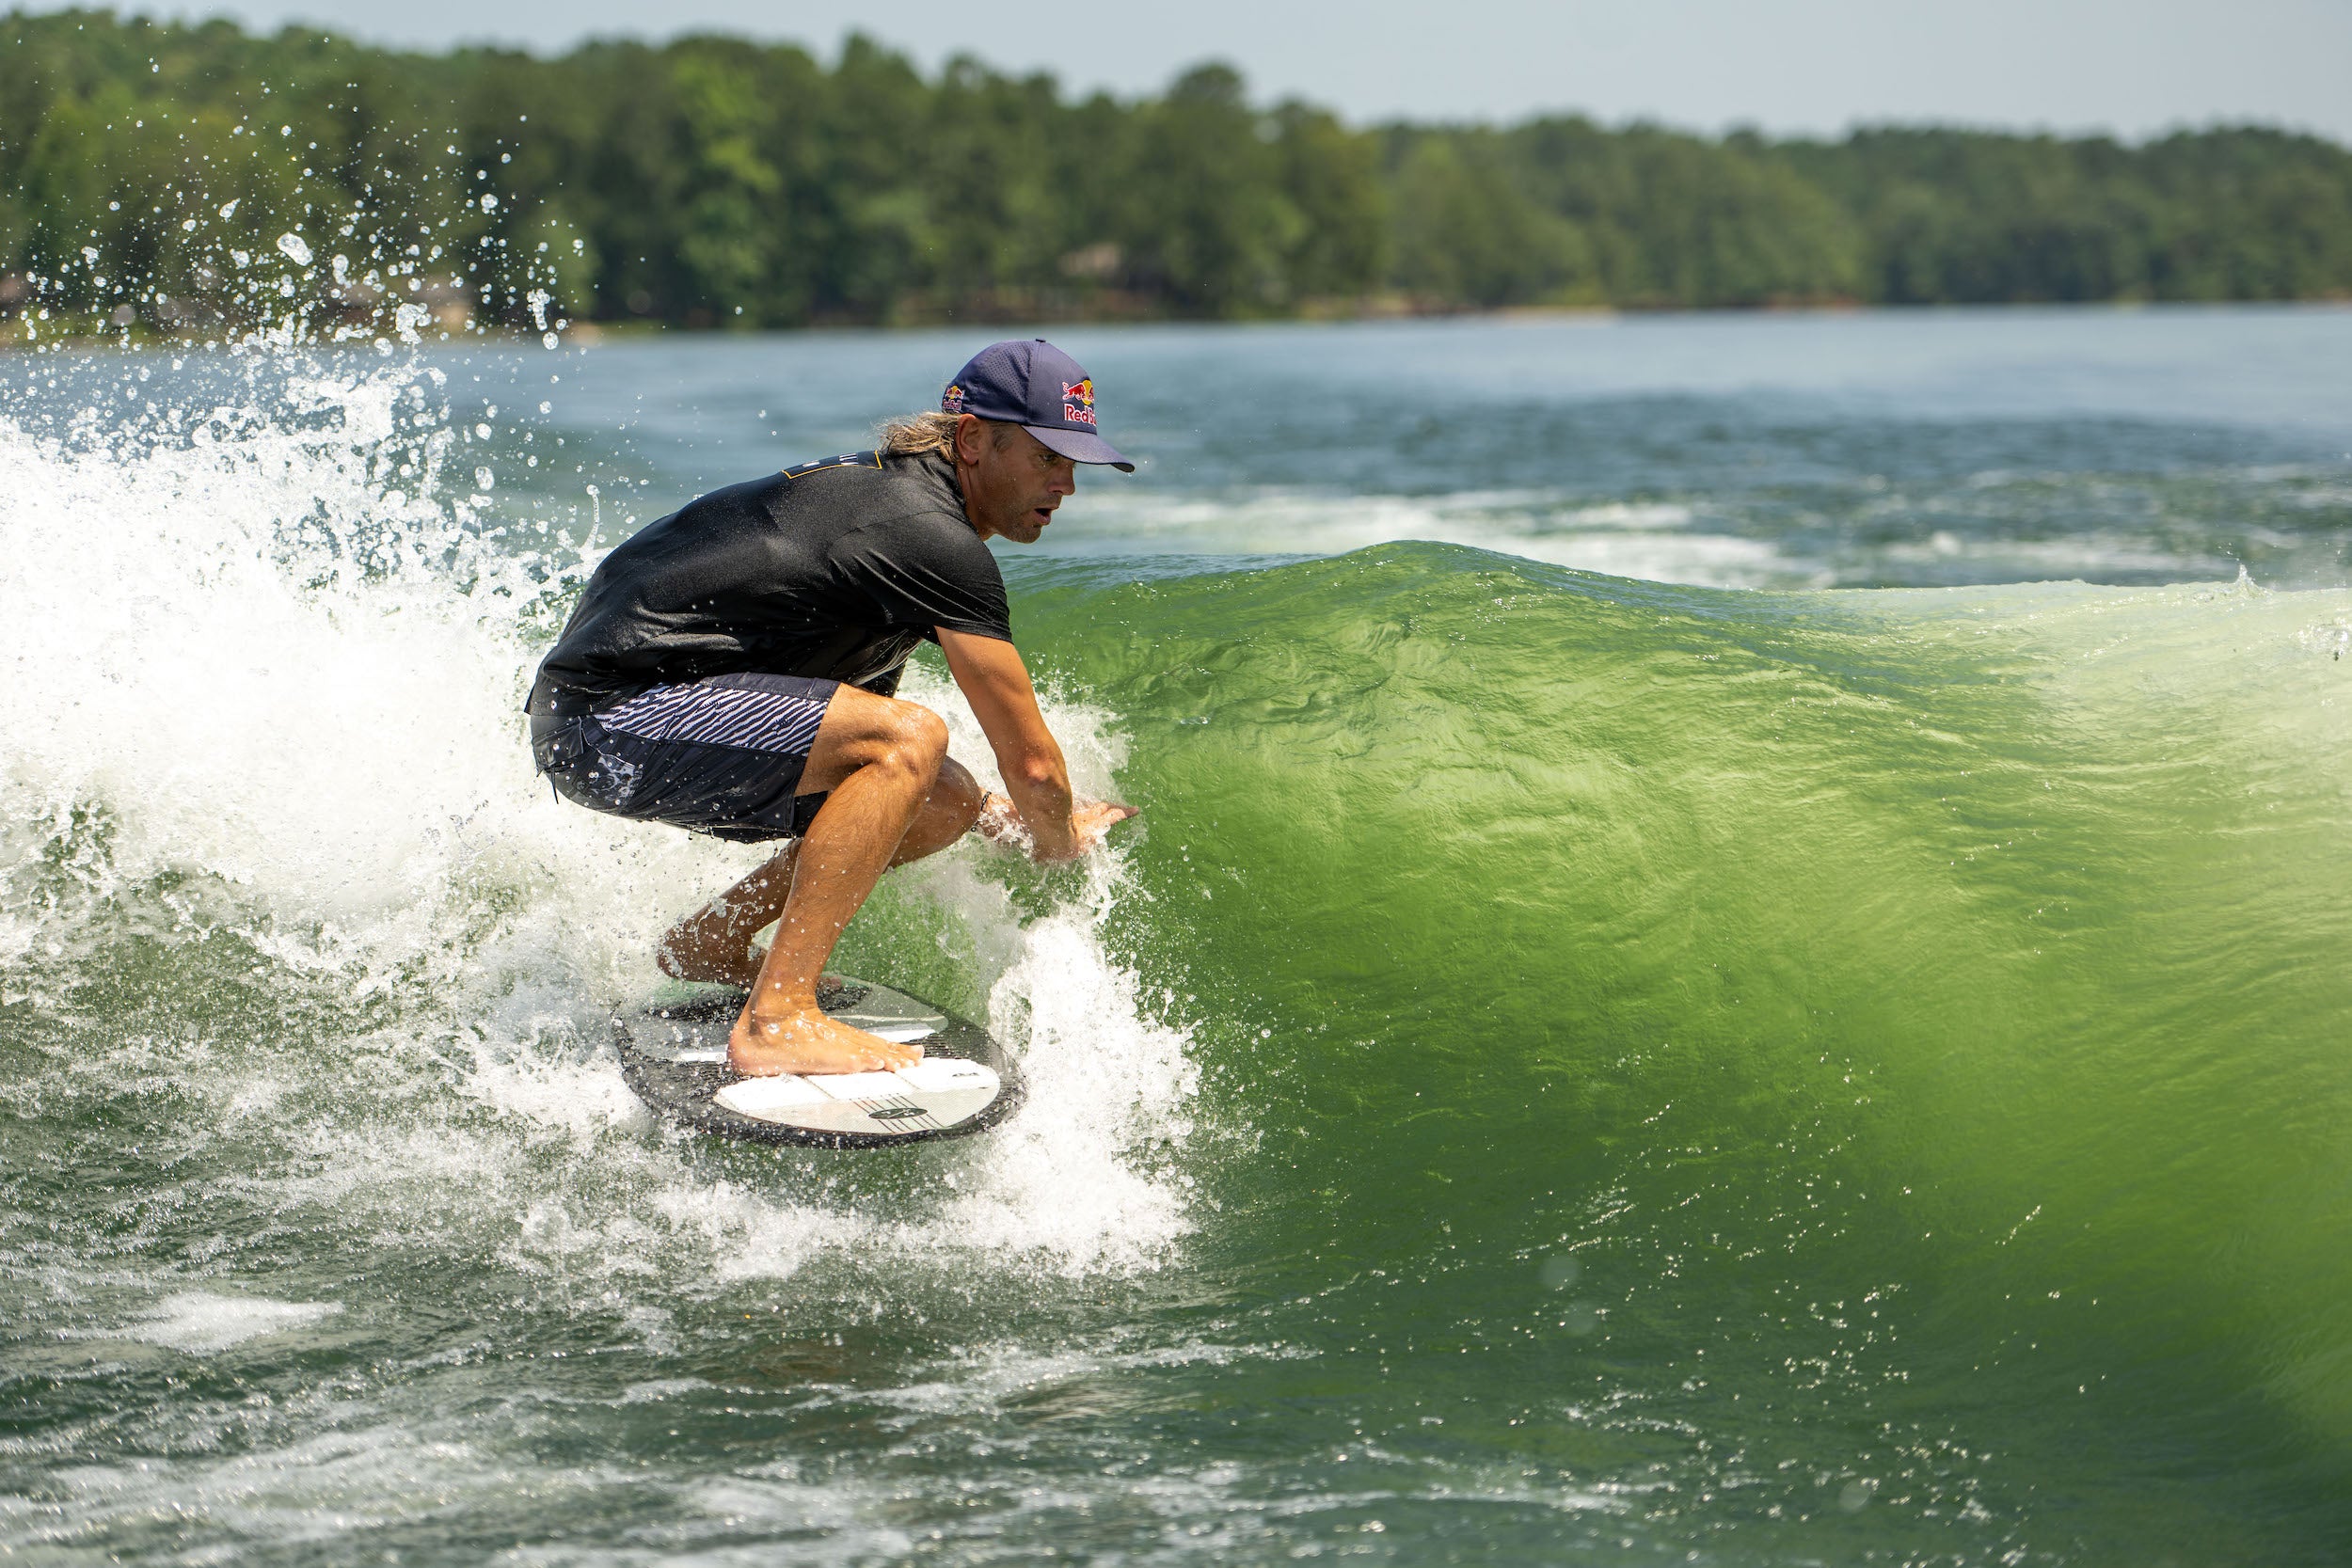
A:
{"x":1840,"y":1050}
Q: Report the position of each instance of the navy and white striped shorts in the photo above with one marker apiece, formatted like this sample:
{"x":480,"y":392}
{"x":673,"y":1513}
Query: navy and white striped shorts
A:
{"x":721,"y":755}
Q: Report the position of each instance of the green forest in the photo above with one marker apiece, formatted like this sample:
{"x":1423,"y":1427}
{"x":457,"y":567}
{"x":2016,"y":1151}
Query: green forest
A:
{"x":171,"y":175}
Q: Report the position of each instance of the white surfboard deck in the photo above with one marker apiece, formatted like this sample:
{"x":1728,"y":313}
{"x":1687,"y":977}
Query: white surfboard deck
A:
{"x":930,"y":1095}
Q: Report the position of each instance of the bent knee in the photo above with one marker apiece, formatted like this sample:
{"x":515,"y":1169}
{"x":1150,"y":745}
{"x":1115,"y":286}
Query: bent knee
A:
{"x":915,"y":738}
{"x":958,"y":792}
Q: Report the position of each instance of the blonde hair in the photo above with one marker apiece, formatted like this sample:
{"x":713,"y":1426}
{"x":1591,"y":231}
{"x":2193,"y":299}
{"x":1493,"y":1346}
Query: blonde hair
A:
{"x":933,"y":430}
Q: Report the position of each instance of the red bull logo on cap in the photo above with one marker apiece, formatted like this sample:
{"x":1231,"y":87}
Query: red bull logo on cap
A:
{"x":1077,"y":401}
{"x":951,"y":401}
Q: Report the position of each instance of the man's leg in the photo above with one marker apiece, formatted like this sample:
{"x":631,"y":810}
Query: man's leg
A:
{"x":878,"y":758}
{"x":714,"y":944}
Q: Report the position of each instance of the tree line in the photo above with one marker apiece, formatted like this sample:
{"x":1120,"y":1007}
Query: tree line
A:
{"x":161,"y":174}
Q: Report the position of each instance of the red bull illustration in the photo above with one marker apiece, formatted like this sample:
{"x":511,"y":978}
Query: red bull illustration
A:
{"x":1077,"y":401}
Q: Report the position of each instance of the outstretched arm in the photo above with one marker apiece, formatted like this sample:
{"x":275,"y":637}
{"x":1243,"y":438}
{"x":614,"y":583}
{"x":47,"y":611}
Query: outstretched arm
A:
{"x":993,"y":680}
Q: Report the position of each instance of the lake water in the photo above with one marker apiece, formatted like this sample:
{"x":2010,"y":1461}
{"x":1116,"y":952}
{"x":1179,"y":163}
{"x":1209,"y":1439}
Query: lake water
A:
{"x":1735,"y":955}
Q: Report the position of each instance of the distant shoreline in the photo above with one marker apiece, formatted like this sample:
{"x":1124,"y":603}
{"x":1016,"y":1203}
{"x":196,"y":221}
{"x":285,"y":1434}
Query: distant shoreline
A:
{"x":594,"y":335}
{"x":195,"y":177}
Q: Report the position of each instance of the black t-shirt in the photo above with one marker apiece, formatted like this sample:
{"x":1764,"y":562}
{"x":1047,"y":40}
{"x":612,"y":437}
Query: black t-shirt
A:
{"x":834,"y":569}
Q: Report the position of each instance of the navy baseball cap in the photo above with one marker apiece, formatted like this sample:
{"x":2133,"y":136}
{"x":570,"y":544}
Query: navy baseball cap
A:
{"x":1031,"y":383}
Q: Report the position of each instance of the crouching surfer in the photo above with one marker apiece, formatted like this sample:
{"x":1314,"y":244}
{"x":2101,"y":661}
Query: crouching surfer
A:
{"x":731,"y":670}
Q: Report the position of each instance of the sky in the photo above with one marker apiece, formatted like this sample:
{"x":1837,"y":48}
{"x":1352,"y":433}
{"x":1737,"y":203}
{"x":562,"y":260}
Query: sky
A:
{"x":1782,"y":66}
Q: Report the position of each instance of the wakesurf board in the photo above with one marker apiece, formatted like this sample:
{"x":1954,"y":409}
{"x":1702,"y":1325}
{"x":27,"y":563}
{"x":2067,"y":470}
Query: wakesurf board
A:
{"x":673,"y":1053}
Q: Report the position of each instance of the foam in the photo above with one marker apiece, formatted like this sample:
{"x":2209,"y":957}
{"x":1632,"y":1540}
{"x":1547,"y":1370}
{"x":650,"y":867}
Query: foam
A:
{"x":985,"y":1381}
{"x":423,"y":1471}
{"x":1658,"y":541}
{"x":1104,"y":1077}
{"x":337,"y":1486}
{"x":202,"y":1322}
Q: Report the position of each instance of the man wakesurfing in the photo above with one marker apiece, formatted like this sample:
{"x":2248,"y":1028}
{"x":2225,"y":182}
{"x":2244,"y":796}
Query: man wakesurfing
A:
{"x":732,"y":669}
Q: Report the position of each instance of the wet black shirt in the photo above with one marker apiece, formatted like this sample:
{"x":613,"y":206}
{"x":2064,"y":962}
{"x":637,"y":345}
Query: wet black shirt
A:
{"x":834,"y":569}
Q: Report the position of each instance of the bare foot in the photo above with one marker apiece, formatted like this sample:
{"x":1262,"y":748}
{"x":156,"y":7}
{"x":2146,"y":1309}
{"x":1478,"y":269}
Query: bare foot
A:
{"x":711,"y":969}
{"x":808,"y":1041}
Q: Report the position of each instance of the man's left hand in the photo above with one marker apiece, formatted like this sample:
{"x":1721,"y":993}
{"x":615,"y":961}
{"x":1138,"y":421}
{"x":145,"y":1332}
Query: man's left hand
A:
{"x":1090,"y":821}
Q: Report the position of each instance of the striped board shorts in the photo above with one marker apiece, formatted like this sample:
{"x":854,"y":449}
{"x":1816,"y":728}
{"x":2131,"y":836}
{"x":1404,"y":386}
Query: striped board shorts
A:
{"x":721,"y":755}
